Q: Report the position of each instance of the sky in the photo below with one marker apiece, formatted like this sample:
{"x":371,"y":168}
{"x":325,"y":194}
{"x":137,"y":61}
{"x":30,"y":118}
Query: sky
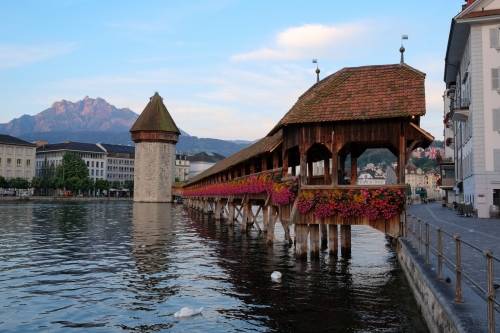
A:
{"x":226,"y":69}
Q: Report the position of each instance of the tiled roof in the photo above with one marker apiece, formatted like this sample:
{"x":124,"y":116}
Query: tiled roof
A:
{"x":360,"y":93}
{"x":12,"y":140}
{"x":71,"y":146}
{"x":262,"y":146}
{"x":155,"y":117}
{"x":118,"y":148}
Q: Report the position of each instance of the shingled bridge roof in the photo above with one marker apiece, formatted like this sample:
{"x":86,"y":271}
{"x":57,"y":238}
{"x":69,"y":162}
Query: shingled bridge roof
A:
{"x":361,"y":93}
{"x":264,"y":145}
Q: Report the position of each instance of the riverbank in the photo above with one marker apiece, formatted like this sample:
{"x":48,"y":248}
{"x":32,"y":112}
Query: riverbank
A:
{"x":436,"y":297}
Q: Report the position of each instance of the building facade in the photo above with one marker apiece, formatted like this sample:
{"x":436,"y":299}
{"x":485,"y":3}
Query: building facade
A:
{"x":51,"y":156}
{"x":17,"y":158}
{"x":119,"y":162}
{"x":182,"y":166}
{"x":472,"y":76}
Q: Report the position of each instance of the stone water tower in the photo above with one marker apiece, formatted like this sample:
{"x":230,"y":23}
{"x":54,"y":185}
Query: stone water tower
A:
{"x":155,"y":135}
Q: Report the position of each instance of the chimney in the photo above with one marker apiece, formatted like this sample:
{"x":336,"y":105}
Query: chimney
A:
{"x":467,"y":3}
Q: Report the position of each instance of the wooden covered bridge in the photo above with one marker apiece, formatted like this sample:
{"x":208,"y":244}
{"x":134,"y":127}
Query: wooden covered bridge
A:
{"x":304,"y":172}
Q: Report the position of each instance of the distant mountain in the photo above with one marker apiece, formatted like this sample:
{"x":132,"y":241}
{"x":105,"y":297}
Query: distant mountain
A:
{"x":206,"y":157}
{"x":95,"y":120}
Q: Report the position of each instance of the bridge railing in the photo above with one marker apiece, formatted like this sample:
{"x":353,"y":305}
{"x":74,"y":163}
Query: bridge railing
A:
{"x":449,"y":250}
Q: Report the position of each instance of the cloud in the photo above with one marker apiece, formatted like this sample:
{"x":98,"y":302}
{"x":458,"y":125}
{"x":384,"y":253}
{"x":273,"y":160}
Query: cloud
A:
{"x":306,"y":40}
{"x":20,"y":55}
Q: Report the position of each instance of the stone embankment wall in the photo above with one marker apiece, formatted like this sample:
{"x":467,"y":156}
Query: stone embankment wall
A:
{"x":434,"y":307}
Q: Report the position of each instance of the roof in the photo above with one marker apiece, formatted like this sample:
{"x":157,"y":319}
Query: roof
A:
{"x":264,"y":145}
{"x":354,"y":93}
{"x":71,"y":146}
{"x":12,"y":140}
{"x":483,"y":13}
{"x":155,"y":117}
{"x":110,"y":148}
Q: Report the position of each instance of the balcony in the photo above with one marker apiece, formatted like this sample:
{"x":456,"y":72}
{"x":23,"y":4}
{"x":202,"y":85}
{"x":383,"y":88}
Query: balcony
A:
{"x":459,"y":108}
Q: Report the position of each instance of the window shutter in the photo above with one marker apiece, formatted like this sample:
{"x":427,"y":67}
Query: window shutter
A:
{"x":495,"y":78}
{"x":496,"y":154}
{"x":495,"y":38}
{"x":496,"y":119}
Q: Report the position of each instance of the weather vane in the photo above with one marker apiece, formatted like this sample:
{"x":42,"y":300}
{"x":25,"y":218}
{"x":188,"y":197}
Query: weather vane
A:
{"x":315,"y":61}
{"x":402,"y":48}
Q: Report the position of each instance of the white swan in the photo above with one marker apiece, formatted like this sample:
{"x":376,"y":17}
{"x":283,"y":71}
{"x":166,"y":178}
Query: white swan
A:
{"x":187,"y":312}
{"x":276,"y":276}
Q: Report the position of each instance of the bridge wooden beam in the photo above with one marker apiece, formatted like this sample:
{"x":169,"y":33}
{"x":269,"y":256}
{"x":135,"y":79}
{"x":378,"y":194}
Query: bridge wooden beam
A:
{"x":333,"y":239}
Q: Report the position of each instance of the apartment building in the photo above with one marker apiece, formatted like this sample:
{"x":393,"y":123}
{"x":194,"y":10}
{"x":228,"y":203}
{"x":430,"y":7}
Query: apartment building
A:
{"x":472,"y":76}
{"x":17,"y":158}
{"x":119,"y":162}
{"x":51,"y":155}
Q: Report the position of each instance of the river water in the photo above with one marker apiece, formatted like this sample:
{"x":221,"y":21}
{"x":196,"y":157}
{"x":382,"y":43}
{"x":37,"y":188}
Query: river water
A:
{"x":124,"y":267}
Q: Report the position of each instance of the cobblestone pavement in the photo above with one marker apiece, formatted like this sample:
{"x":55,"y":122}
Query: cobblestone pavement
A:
{"x":482,"y":233}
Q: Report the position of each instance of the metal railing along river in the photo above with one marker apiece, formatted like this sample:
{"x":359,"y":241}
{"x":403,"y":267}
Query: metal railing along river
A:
{"x":448,"y":249}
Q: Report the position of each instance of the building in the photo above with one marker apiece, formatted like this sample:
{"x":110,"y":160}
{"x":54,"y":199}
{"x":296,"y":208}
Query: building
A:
{"x":17,"y":158}
{"x":182,"y":166}
{"x":119,"y":162}
{"x":51,"y":156}
{"x":155,"y":135}
{"x":472,"y":76}
{"x":370,"y":177}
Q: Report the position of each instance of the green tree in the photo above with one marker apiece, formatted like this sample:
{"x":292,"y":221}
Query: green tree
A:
{"x":72,"y":166}
{"x":73,"y":184}
{"x":129,"y":185}
{"x":3,"y":182}
{"x":101,"y":185}
{"x":37,"y":184}
{"x":116,"y":185}
{"x":72,"y":174}
{"x":19,"y":183}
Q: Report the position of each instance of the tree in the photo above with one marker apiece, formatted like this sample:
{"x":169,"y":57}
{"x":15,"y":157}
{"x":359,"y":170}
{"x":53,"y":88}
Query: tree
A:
{"x":3,"y":182}
{"x":73,"y":183}
{"x":101,"y":184}
{"x":129,"y":185}
{"x":116,"y":185}
{"x":72,"y":174}
{"x":19,"y":183}
{"x":72,"y":166}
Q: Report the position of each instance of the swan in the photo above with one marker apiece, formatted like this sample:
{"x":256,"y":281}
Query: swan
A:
{"x":187,"y":312}
{"x":276,"y":276}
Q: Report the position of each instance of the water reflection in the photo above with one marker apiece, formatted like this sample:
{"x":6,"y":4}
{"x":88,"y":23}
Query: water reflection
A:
{"x":129,"y":267}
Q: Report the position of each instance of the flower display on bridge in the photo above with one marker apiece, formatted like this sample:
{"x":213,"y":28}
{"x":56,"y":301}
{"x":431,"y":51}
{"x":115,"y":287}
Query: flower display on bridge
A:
{"x":281,"y":192}
{"x":381,"y":203}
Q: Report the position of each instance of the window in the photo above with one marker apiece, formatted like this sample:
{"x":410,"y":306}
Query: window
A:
{"x":495,"y":78}
{"x":28,"y":163}
{"x":88,"y":164}
{"x":18,"y":162}
{"x":92,"y":164}
{"x":92,"y":172}
{"x":495,"y":38}
{"x":102,"y":164}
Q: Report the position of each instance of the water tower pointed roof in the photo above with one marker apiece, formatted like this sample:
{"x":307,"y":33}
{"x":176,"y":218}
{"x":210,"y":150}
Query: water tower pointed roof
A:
{"x":155,"y":117}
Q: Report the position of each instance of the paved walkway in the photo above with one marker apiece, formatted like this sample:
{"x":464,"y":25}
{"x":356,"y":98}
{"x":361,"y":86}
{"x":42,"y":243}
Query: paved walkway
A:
{"x":482,"y":233}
